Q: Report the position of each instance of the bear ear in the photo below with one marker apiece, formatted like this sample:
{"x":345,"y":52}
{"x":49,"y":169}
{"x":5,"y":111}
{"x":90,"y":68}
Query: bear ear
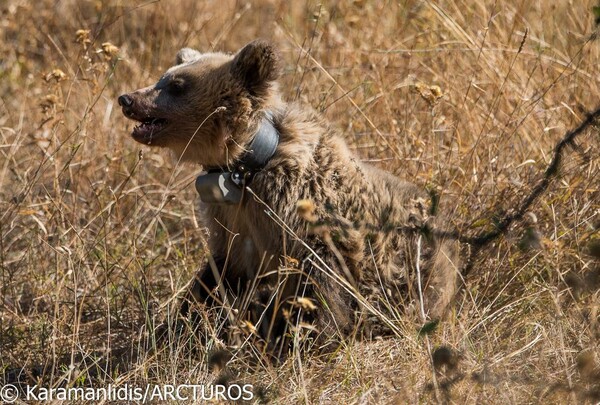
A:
{"x":186,"y":55}
{"x":256,"y":65}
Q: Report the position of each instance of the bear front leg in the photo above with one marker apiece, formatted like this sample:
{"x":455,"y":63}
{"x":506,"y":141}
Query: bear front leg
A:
{"x":204,"y":289}
{"x":199,"y":293}
{"x":333,"y":315}
{"x":203,"y":293}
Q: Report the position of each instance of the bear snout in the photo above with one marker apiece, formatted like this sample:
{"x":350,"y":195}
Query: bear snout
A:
{"x":125,"y":100}
{"x":129,"y":107}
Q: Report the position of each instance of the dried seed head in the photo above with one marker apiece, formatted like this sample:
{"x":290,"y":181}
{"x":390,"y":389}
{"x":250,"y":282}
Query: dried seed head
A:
{"x":306,"y":209}
{"x":56,"y":74}
{"x":248,"y":327}
{"x":291,"y":261}
{"x":430,"y":93}
{"x":303,"y":326}
{"x":523,"y":40}
{"x":83,"y":37}
{"x":305,"y":303}
{"x":110,"y":51}
{"x":436,"y":91}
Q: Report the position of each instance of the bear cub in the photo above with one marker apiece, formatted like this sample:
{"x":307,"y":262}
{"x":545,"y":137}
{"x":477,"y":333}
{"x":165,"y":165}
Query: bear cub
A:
{"x":303,"y":236}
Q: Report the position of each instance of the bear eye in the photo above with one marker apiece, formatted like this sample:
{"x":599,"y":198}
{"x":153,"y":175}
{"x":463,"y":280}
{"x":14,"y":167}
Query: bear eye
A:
{"x":176,"y":86}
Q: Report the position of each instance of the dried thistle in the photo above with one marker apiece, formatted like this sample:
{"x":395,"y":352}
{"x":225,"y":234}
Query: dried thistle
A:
{"x":430,"y":93}
{"x":300,"y":326}
{"x":306,"y":209}
{"x":109,"y":50}
{"x":83,"y":37}
{"x":248,"y":327}
{"x":305,"y":303}
{"x":291,"y":261}
{"x":55,"y":74}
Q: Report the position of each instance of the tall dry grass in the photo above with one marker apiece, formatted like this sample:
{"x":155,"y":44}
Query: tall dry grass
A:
{"x":99,"y":234}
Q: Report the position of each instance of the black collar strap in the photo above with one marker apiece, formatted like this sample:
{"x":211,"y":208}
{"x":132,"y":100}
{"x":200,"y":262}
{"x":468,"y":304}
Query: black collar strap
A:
{"x":261,"y":148}
{"x":225,"y":186}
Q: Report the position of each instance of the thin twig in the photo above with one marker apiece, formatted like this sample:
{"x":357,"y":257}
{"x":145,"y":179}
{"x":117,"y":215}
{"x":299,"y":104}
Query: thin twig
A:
{"x":539,"y":189}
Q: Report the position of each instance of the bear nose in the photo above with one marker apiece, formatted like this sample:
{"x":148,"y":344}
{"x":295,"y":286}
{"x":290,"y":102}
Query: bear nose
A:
{"x":125,"y":101}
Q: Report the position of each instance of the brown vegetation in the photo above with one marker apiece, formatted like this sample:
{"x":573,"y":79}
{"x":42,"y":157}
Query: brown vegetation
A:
{"x":98,"y":234}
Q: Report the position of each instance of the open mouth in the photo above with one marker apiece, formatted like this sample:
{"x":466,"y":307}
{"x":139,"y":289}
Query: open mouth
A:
{"x":148,"y":129}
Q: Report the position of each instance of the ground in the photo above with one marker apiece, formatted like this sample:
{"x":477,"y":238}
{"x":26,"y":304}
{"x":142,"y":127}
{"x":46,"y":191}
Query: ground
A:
{"x":98,"y":234}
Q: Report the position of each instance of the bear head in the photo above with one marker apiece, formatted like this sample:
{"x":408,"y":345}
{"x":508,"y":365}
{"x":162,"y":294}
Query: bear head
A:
{"x":208,"y":106}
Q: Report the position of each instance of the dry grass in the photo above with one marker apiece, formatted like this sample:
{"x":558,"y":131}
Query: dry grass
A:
{"x":98,"y":234}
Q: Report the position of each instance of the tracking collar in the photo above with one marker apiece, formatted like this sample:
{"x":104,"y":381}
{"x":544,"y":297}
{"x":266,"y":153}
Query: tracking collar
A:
{"x":223,"y":186}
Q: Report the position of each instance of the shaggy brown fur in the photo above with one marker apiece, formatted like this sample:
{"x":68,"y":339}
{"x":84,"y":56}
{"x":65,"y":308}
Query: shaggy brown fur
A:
{"x":347,"y":238}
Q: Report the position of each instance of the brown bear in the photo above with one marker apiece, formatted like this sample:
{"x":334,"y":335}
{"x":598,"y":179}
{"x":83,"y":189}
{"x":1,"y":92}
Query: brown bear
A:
{"x":297,"y":222}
